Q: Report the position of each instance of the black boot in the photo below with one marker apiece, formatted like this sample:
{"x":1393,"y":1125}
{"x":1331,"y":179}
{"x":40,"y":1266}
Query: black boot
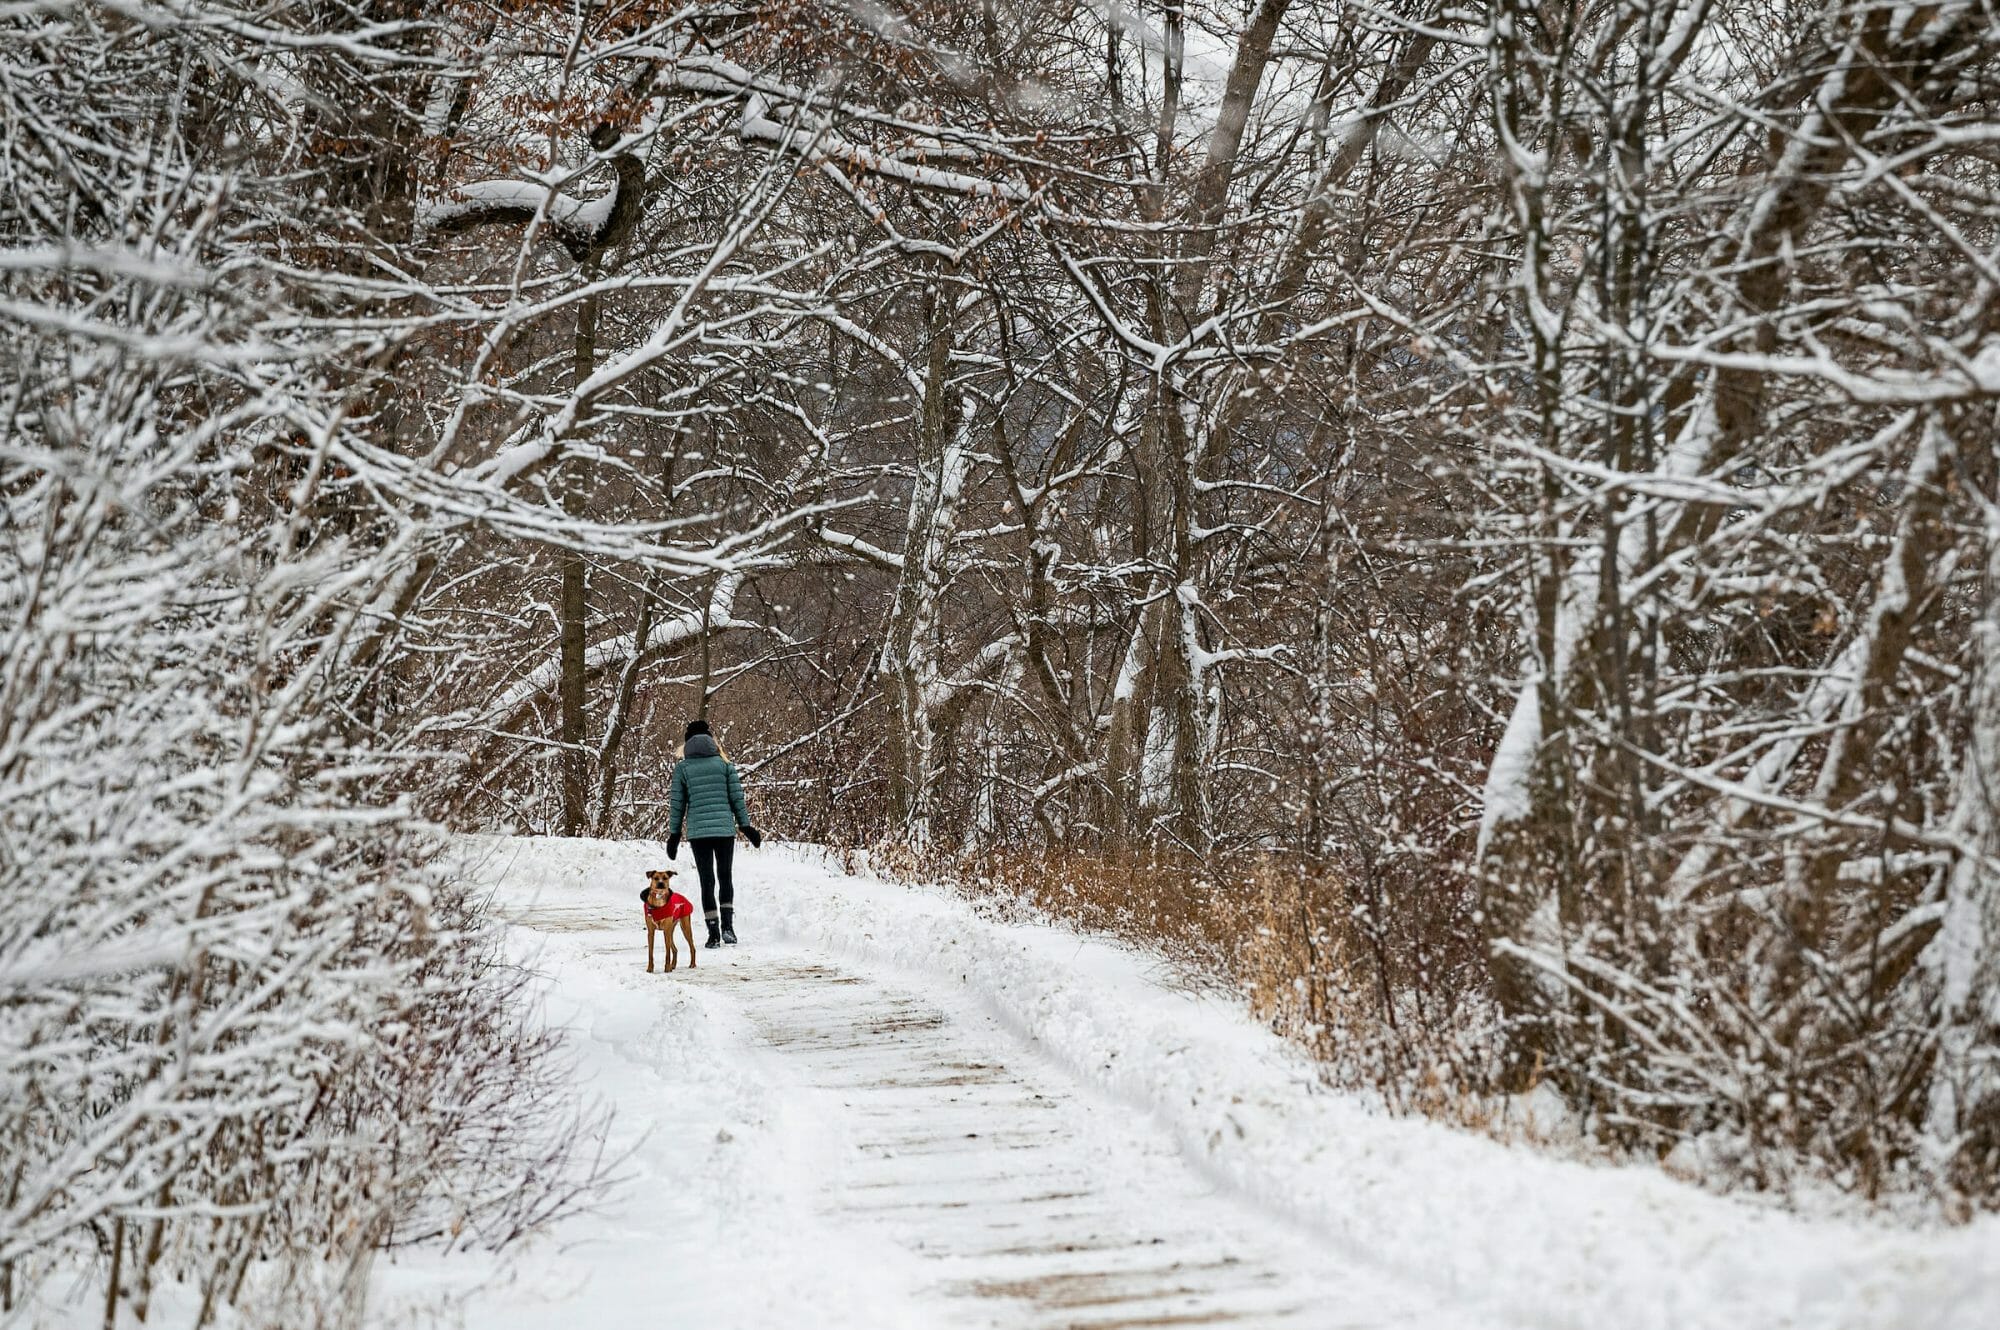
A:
{"x":714,"y":936}
{"x":729,"y":927}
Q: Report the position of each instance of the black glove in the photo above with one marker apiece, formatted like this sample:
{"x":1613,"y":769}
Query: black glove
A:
{"x":756,"y":836}
{"x":673,"y":846}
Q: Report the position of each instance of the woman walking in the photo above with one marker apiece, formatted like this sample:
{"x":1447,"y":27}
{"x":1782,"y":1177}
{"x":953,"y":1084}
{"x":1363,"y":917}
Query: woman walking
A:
{"x":707,"y":801}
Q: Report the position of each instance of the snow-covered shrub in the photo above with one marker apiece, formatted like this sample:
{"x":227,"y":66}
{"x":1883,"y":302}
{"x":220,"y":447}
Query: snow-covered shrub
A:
{"x":246,"y":1039}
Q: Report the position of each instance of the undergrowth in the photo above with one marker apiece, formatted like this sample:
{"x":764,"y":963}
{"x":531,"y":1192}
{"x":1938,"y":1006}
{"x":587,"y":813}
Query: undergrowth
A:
{"x":1283,"y":939}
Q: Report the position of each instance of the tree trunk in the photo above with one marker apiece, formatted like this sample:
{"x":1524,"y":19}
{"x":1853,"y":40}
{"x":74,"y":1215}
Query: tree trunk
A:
{"x":628,"y":688}
{"x":572,"y":610}
{"x":1963,"y":1118}
{"x":909,"y":659}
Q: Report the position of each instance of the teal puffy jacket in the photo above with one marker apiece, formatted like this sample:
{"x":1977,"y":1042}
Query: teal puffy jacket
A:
{"x":707,"y":795}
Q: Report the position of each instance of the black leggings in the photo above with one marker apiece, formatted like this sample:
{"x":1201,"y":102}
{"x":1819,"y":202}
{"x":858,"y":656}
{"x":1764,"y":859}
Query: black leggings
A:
{"x":713,"y":858}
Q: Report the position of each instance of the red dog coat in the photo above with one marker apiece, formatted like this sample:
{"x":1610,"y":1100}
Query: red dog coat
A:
{"x":677,"y":907}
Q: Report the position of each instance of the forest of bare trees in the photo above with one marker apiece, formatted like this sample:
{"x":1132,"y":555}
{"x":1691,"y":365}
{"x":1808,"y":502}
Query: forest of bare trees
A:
{"x":1504,"y":499}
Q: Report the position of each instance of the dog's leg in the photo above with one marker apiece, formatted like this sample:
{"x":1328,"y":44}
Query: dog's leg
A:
{"x":650,"y":930}
{"x":688,"y":928}
{"x":673,"y":952}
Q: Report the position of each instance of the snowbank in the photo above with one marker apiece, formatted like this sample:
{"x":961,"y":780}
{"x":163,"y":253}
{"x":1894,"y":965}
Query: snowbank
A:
{"x":1532,"y":1238}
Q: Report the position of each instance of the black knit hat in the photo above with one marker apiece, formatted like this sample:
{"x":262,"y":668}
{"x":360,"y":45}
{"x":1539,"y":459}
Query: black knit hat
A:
{"x":695,"y":727}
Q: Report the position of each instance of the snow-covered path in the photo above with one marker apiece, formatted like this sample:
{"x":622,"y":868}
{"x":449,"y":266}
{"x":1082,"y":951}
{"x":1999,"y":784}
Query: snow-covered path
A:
{"x":1031,"y":1201}
{"x":883,"y":1152}
{"x":881,"y":1110}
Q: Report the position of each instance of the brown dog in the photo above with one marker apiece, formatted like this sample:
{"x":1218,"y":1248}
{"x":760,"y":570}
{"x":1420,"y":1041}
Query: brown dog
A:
{"x":662,"y":907}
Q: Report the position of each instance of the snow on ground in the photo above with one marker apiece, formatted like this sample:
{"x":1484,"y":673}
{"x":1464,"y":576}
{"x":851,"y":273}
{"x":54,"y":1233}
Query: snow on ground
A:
{"x":883,"y":1110}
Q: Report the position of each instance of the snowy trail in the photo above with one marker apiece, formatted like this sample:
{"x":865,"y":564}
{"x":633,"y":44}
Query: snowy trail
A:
{"x":1035,"y":1203}
{"x":952,"y":1177}
{"x":884,"y":1111}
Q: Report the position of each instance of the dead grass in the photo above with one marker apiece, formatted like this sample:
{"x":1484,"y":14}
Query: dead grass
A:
{"x":1282,"y":938}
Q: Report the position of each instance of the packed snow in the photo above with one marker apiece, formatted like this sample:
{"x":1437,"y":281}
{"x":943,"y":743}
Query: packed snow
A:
{"x":885,"y":1109}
